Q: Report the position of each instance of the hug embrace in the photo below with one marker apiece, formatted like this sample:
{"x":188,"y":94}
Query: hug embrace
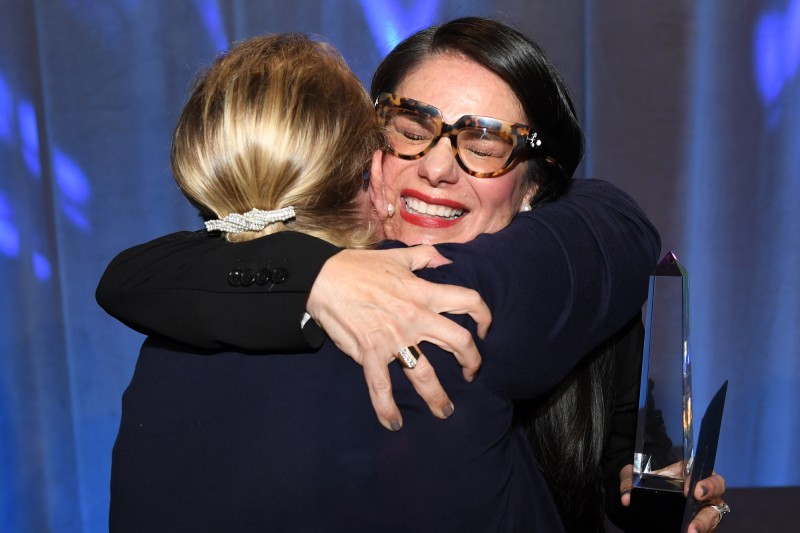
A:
{"x":501,"y":355}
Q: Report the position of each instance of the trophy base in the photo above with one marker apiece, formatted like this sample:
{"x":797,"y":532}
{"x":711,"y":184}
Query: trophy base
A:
{"x":657,"y":505}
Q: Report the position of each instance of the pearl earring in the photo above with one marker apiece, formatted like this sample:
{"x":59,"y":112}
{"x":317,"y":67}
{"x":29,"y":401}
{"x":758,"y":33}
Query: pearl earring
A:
{"x":390,"y":210}
{"x":525,"y":208}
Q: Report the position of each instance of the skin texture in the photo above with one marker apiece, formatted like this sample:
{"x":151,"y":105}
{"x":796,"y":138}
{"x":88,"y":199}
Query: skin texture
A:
{"x":488,"y":204}
{"x":366,"y":300}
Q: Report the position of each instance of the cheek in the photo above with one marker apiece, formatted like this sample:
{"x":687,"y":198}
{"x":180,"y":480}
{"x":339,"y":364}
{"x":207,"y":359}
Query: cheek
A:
{"x":391,"y":229}
{"x":393,"y":171}
{"x":499,"y":198}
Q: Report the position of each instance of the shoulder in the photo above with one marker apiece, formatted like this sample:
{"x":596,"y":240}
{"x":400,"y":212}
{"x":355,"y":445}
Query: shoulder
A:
{"x":191,"y":244}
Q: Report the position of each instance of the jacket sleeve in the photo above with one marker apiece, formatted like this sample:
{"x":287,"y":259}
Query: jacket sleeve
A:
{"x":588,"y":245}
{"x":199,"y":289}
{"x":559,"y":281}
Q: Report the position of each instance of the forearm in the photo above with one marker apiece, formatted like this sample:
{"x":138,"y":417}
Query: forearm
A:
{"x":559,"y":281}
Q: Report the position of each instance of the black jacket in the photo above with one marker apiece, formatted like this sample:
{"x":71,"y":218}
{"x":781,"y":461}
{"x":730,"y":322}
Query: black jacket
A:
{"x":559,"y":280}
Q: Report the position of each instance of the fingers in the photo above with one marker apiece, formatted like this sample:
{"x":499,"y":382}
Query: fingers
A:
{"x":710,"y":488}
{"x":426,"y":300}
{"x":443,"y":298}
{"x":423,"y":378}
{"x":626,"y":484}
{"x":459,"y":301}
{"x":370,"y":304}
{"x":419,"y":257}
{"x":706,"y":520}
{"x":453,"y":338}
{"x":379,"y":384}
{"x":675,"y":471}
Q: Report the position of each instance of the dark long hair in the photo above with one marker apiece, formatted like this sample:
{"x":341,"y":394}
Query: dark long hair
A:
{"x":568,"y":431}
{"x":523,"y":65}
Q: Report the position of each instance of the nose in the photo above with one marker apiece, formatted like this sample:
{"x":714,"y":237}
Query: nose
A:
{"x":439,"y":165}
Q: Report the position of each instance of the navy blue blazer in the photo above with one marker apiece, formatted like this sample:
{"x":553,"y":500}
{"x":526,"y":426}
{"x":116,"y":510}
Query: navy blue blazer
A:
{"x":290,"y":442}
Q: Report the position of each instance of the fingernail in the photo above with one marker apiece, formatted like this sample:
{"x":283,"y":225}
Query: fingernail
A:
{"x":704,"y":489}
{"x":396,"y":425}
{"x":448,"y":410}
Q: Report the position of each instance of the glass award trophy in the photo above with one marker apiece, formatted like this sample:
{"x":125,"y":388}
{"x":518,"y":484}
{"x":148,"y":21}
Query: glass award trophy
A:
{"x":665,"y":459}
{"x":664,"y":447}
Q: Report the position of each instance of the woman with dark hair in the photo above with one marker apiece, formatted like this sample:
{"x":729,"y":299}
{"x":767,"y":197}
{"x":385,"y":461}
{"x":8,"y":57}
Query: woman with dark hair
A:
{"x":463,"y":157}
{"x":520,"y":63}
{"x":568,"y":431}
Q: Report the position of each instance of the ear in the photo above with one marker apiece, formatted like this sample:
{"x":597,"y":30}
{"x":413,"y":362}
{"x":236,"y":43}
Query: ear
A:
{"x":377,"y":191}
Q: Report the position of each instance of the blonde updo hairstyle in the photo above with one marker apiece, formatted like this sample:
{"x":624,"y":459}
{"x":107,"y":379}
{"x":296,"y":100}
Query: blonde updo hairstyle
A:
{"x":279,"y":121}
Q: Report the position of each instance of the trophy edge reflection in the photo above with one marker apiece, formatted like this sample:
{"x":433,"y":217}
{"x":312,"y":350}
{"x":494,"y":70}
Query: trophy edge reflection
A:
{"x":669,"y":266}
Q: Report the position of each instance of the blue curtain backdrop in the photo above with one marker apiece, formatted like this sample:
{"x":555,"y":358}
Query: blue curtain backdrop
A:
{"x":691,"y":106}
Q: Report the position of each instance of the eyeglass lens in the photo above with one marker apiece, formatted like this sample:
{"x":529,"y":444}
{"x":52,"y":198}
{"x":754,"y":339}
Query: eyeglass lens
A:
{"x":481,"y":150}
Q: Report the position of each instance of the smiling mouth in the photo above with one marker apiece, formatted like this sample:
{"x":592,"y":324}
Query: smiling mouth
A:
{"x":415,"y":206}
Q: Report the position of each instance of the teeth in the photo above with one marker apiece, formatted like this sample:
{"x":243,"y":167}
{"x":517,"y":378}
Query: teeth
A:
{"x":417,"y":206}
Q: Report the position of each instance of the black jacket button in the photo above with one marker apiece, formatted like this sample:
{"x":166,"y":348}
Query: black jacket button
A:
{"x":279,"y":275}
{"x":234,"y":277}
{"x":262,"y":276}
{"x":248,"y":278}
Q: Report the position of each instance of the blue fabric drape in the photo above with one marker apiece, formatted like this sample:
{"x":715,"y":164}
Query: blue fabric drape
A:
{"x":692,"y":107}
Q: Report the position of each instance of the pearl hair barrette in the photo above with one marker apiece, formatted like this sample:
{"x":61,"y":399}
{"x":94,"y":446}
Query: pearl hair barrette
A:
{"x":253,"y":220}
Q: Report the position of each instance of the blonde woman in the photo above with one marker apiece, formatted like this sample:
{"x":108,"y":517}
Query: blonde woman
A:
{"x":281,"y":124}
{"x":275,"y":138}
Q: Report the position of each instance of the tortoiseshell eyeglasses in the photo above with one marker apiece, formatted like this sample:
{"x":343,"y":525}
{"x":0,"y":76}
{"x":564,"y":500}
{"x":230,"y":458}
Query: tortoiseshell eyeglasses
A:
{"x":484,"y":147}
